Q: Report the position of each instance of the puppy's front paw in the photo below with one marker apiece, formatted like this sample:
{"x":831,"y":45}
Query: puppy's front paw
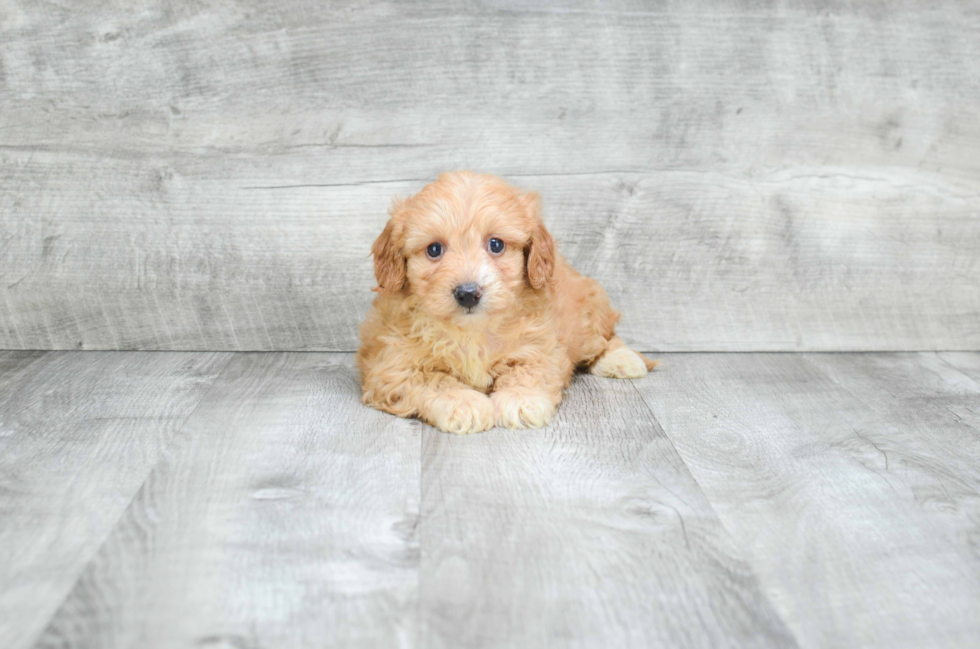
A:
{"x":515,"y":409}
{"x":620,"y":363}
{"x":462,"y":412}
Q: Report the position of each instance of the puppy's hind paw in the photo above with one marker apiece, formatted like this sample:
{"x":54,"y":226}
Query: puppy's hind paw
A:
{"x":620,"y":363}
{"x":462,"y":412}
{"x":514,"y":409}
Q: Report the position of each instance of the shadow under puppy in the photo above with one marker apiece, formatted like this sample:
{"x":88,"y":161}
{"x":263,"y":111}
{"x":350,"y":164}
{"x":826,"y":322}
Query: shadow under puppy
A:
{"x":478,"y":321}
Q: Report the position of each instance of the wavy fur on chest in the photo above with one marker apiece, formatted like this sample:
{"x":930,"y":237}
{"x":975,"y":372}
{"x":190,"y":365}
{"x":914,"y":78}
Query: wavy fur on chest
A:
{"x":475,"y":355}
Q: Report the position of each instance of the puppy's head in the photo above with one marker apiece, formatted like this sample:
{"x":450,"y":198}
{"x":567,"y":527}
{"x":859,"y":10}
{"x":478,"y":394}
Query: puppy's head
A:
{"x":466,"y":245}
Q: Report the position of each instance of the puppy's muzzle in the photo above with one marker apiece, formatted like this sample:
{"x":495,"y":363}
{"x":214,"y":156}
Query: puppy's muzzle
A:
{"x":467,"y":295}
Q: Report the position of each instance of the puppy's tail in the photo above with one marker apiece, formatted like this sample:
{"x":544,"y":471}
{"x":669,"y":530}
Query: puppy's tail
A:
{"x":650,"y":364}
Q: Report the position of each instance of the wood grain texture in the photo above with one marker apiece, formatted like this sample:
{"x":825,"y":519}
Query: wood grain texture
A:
{"x":751,"y":176}
{"x":590,"y":533}
{"x":966,"y":362}
{"x":79,"y":433}
{"x":852,"y":480}
{"x":818,"y":500}
{"x":284,"y":515}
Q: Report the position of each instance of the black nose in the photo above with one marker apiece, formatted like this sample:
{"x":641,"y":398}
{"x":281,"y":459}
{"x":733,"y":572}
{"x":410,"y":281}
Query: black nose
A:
{"x":467,"y":295}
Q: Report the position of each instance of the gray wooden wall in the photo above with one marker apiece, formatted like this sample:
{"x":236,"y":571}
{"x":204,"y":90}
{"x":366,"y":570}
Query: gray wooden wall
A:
{"x":752,"y":175}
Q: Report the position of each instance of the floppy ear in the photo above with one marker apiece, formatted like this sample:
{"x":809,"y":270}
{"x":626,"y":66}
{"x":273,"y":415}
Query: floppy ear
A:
{"x":539,"y":254}
{"x":389,"y":262}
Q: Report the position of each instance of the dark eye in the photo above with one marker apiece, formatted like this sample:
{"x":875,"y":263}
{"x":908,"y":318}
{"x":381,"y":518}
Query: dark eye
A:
{"x":496,"y":246}
{"x":434,"y":251}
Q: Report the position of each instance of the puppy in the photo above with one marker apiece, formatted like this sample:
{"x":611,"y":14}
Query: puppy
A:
{"x":478,"y":321}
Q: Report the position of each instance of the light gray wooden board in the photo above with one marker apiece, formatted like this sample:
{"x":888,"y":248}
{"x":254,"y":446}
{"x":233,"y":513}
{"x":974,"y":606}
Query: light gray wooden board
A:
{"x":284,"y":515}
{"x":852,"y":481}
{"x":966,"y":362}
{"x":79,"y":432}
{"x":590,"y":533}
{"x":785,"y":176}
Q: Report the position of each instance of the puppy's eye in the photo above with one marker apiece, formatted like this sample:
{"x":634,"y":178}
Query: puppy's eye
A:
{"x":434,"y":250}
{"x":495,"y":246}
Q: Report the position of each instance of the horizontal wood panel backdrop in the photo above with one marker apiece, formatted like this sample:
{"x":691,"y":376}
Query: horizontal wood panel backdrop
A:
{"x":740,"y":176}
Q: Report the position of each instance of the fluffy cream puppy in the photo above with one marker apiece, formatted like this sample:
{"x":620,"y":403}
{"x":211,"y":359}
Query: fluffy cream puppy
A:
{"x":478,"y":321}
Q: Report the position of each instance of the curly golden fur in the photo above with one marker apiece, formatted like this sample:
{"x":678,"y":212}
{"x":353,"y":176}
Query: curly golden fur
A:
{"x":504,"y":361}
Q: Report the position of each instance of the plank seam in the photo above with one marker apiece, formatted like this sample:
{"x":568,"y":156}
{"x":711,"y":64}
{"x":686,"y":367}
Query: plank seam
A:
{"x":110,"y":529}
{"x":956,"y":367}
{"x":721,"y":522}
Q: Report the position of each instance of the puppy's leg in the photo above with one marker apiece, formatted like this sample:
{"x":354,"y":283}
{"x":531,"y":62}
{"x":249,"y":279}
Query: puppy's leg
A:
{"x":528,"y":391}
{"x":590,"y":331}
{"x":460,"y":410}
{"x":621,"y":362}
{"x":392,"y":385}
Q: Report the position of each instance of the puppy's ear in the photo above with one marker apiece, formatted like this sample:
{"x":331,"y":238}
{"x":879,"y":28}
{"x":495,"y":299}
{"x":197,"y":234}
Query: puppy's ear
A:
{"x":389,"y":262}
{"x":539,"y":253}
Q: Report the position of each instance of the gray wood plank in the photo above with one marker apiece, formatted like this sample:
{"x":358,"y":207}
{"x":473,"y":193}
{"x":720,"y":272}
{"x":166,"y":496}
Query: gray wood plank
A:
{"x":590,"y":533}
{"x":852,"y":480}
{"x":740,"y":176}
{"x":693,"y":260}
{"x":283,"y":516}
{"x":79,"y":432}
{"x":966,"y":362}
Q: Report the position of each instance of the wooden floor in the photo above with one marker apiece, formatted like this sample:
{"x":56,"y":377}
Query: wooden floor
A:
{"x":165,"y":499}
